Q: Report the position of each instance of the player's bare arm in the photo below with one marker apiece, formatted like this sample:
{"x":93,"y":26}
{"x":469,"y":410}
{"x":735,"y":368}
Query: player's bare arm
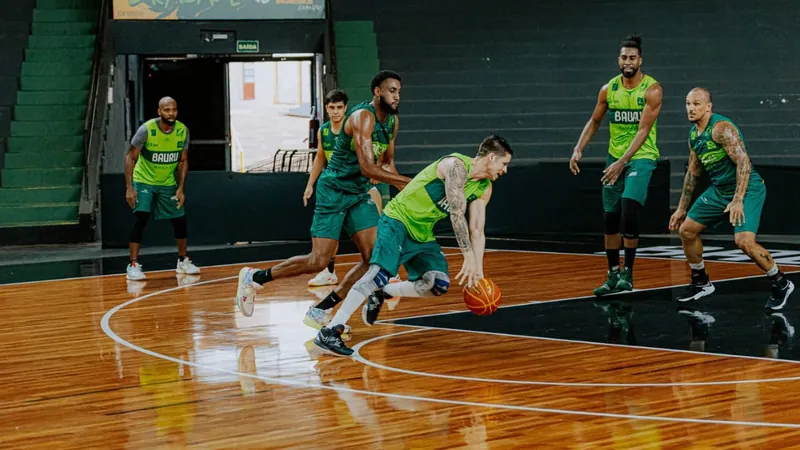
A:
{"x":477,"y":224}
{"x":690,"y":181}
{"x":388,"y":156}
{"x":130,"y":162}
{"x":183,"y":170}
{"x":455,"y":176}
{"x":589,"y":130}
{"x":319,"y":163}
{"x":362,"y":124}
{"x":727,"y":135}
{"x":653,"y":99}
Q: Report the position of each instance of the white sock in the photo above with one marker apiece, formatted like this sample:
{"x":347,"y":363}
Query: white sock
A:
{"x":699,"y":266}
{"x":772,"y":272}
{"x":402,"y":289}
{"x":351,"y":303}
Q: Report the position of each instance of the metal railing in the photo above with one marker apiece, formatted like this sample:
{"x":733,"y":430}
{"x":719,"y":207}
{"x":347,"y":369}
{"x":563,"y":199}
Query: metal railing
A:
{"x":93,"y":125}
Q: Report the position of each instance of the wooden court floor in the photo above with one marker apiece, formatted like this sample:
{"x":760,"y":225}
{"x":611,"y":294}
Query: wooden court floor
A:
{"x":170,"y":363}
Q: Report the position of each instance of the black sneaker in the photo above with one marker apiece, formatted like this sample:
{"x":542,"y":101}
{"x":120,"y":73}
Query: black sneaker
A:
{"x":330,"y":340}
{"x":372,"y":307}
{"x":696,"y":290}
{"x":779,"y":295}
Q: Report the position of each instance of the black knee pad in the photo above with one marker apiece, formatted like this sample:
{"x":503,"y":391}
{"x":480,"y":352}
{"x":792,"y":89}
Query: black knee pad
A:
{"x":138,"y":226}
{"x":179,"y":226}
{"x":611,"y":222}
{"x":630,"y":218}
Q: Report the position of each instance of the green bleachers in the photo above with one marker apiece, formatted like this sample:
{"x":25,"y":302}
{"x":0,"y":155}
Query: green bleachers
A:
{"x":356,"y":57}
{"x":40,"y":182}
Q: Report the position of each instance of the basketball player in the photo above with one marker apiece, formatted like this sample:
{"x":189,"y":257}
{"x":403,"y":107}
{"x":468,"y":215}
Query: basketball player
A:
{"x":369,"y":129}
{"x":448,"y":186}
{"x":157,"y":148}
{"x":327,"y":135}
{"x":632,"y":101}
{"x":737,"y":192}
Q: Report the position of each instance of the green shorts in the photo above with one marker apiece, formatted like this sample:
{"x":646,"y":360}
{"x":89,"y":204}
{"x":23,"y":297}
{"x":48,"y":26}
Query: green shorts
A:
{"x":394,"y":247}
{"x":336,"y":210}
{"x":632,"y":183}
{"x":709,"y":208}
{"x":157,"y":200}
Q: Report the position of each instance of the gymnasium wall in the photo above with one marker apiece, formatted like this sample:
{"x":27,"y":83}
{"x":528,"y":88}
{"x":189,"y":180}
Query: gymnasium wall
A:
{"x":531,"y":71}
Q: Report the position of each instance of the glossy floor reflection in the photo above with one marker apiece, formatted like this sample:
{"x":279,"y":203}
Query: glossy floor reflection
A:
{"x":170,"y":363}
{"x":732,"y":321}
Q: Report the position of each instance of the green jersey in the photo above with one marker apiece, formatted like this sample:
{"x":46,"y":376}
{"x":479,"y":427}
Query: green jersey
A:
{"x":160,"y":154}
{"x":625,"y":108}
{"x":721,"y":169}
{"x":423,"y":202}
{"x":329,"y":139}
{"x":343,"y":171}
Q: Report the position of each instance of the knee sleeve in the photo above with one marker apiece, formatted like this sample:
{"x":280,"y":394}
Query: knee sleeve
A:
{"x":437,"y":283}
{"x":138,"y":226}
{"x":630,"y":218}
{"x":375,"y":278}
{"x":611,"y":222}
{"x":179,"y":226}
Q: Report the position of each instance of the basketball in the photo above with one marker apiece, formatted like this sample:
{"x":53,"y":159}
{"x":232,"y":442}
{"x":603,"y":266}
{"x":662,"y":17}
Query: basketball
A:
{"x":484,"y":298}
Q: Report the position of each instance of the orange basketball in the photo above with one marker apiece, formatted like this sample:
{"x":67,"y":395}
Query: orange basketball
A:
{"x":484,"y":298}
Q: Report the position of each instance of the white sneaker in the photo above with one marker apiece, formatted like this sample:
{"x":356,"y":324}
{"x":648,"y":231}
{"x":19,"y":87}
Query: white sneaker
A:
{"x":187,"y":267}
{"x":324,"y":278}
{"x":246,"y":292}
{"x":317,"y":318}
{"x":134,"y":272}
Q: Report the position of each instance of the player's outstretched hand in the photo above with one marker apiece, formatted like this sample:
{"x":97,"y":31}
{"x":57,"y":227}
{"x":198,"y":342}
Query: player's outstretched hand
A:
{"x":468,"y":276}
{"x":677,"y":219}
{"x":573,"y":162}
{"x":736,"y":208}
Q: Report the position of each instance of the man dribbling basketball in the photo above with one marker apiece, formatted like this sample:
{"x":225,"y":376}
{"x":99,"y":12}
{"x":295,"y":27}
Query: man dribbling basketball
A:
{"x":405,"y":235}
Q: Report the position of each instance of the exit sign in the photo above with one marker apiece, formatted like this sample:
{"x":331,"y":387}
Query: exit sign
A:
{"x":246,"y":46}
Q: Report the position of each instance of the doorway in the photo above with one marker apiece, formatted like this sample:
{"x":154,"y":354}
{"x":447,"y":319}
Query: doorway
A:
{"x":270,"y":109}
{"x":199,"y":88}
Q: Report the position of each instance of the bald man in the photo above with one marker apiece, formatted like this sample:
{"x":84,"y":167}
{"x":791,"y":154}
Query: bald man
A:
{"x":737,"y":193}
{"x":159,"y":146}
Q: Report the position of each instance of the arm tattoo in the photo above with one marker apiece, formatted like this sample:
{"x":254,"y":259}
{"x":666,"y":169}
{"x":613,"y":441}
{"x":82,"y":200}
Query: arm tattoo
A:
{"x":725,"y":133}
{"x":690,"y":181}
{"x":454,"y":190}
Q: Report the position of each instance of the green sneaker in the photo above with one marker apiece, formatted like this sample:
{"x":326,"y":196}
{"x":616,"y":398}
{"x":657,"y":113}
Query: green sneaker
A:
{"x":625,"y":282}
{"x":610,"y":286}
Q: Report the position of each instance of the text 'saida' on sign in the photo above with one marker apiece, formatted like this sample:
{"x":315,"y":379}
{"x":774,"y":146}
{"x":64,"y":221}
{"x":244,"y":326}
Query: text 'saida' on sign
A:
{"x":246,"y":46}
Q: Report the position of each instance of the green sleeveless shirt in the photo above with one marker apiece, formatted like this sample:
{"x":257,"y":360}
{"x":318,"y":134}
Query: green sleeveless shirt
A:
{"x":625,"y":108}
{"x":423,"y":202}
{"x":160,"y":156}
{"x":721,"y":169}
{"x":343,"y":171}
{"x":329,"y":139}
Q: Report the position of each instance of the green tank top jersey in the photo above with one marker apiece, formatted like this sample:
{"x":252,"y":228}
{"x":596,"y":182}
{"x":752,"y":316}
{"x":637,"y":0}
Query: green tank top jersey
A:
{"x":719,"y":166}
{"x":160,"y":155}
{"x":329,"y":139}
{"x":343,"y":171}
{"x":625,"y":108}
{"x":423,"y":202}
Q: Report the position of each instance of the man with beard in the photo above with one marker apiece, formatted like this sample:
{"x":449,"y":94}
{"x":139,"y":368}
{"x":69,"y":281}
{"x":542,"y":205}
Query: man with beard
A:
{"x":737,"y":192}
{"x":632,"y":101}
{"x":343,"y":201}
{"x":159,"y":146}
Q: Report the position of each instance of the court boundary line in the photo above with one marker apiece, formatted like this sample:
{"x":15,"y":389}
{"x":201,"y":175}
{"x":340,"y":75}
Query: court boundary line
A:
{"x":609,"y":296}
{"x":105,"y":325}
{"x":363,"y":360}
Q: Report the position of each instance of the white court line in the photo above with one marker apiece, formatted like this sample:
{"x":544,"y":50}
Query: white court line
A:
{"x":535,"y":302}
{"x":104,"y":323}
{"x":358,"y":357}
